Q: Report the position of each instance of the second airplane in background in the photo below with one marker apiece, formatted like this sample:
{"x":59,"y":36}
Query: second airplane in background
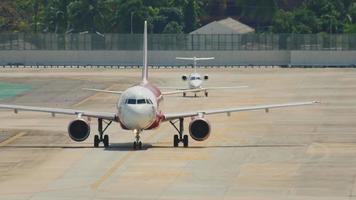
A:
{"x":195,"y":80}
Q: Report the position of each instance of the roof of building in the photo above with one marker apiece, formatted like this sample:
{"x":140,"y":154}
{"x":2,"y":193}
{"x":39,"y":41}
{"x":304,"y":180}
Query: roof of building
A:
{"x":225,"y":26}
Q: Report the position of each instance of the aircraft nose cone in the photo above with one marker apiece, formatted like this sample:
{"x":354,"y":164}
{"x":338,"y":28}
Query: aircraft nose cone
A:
{"x":137,"y":116}
{"x":195,"y":83}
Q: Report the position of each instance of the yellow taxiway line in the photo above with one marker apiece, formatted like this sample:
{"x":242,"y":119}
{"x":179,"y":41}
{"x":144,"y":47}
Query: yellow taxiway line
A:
{"x":11,"y":139}
{"x":102,"y":179}
{"x":112,"y":170}
{"x":90,"y":97}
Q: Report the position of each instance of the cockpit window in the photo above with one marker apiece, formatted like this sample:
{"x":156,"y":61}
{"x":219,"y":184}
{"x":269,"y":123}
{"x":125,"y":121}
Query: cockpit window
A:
{"x":131,"y":101}
{"x":141,"y":101}
{"x":194,"y":78}
{"x":138,"y":101}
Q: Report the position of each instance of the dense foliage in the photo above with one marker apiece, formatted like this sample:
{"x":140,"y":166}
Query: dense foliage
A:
{"x":176,"y":16}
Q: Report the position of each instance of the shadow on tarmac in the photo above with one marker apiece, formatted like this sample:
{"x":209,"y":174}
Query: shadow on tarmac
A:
{"x":145,"y":146}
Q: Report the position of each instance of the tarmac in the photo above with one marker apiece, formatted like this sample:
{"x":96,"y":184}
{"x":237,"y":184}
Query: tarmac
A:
{"x":293,"y":153}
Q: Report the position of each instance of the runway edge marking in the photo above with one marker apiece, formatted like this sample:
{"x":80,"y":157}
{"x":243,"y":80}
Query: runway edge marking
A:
{"x":12,"y":139}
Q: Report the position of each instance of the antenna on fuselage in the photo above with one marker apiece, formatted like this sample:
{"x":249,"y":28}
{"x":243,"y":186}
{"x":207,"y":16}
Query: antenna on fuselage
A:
{"x":194,"y":59}
{"x":145,"y":67}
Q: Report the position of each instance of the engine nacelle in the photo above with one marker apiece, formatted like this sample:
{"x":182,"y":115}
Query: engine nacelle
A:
{"x":199,"y":129}
{"x":184,"y":77}
{"x":206,"y":77}
{"x":79,"y":130}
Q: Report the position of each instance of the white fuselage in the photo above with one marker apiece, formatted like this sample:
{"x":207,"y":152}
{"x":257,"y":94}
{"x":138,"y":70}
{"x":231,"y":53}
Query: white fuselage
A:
{"x":137,"y":108}
{"x":195,"y":81}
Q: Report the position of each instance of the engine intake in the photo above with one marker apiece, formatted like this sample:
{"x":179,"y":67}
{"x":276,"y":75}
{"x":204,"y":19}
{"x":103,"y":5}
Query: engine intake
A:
{"x":206,"y":77}
{"x":79,"y":130}
{"x":199,"y":129}
{"x":184,"y":77}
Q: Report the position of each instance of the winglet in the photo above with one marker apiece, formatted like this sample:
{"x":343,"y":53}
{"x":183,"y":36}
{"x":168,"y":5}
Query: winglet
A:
{"x":145,"y":67}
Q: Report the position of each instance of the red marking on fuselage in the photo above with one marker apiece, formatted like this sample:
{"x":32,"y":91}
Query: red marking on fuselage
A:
{"x":157,"y":122}
{"x":157,"y":92}
{"x":154,"y":90}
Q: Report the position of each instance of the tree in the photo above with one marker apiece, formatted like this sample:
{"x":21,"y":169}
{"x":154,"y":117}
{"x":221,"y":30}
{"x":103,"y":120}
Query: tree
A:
{"x":87,"y":15}
{"x":35,"y":7}
{"x":283,"y":22}
{"x":56,"y":16}
{"x":191,"y":20}
{"x":259,"y":11}
{"x":128,"y":8}
{"x":330,"y":13}
{"x":164,"y":16}
{"x":216,"y":7}
{"x":172,"y":14}
{"x":173,"y":28}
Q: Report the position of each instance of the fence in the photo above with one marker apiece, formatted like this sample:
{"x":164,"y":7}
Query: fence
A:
{"x":180,"y":42}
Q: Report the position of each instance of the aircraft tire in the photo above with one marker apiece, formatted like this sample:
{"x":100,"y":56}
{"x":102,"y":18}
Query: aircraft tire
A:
{"x":96,"y":141}
{"x":106,"y":141}
{"x":175,"y":141}
{"x":140,"y":145}
{"x":185,"y":140}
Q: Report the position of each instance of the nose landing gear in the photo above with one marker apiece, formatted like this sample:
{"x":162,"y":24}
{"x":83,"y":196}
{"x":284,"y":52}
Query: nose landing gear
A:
{"x":101,"y":137}
{"x":180,"y":137}
{"x":137,"y":144}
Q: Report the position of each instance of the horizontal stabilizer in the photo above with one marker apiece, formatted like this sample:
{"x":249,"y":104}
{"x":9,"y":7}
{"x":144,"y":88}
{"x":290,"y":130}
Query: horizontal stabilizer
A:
{"x":194,"y":58}
{"x":225,"y":88}
{"x":183,"y":90}
{"x":103,"y":91}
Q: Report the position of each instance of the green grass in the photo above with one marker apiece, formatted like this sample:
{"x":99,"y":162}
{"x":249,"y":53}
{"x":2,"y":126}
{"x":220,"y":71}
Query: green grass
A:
{"x":10,"y":90}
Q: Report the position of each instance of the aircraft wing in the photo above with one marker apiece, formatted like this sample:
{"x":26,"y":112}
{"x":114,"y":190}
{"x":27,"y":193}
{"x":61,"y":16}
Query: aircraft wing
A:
{"x":222,"y":88}
{"x":173,"y":116}
{"x":104,"y":91}
{"x":53,"y":111}
{"x":181,"y":90}
{"x":174,"y":88}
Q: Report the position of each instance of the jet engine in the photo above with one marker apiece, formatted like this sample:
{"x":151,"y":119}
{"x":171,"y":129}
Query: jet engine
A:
{"x":79,"y":130}
{"x":199,"y":129}
{"x":184,"y":77}
{"x":206,"y":77}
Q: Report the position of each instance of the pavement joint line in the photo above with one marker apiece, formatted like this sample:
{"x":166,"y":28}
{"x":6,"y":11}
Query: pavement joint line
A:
{"x":12,"y":139}
{"x":92,"y":96}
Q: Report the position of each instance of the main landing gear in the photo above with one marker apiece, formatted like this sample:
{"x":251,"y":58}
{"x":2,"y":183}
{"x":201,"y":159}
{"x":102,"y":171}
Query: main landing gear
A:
{"x":101,"y":137}
{"x":206,"y":94}
{"x":180,"y":137}
{"x":137,"y":144}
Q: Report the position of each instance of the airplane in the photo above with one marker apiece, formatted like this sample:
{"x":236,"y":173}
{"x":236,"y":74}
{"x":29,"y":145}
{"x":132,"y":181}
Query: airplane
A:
{"x":137,"y":109}
{"x":195,"y":80}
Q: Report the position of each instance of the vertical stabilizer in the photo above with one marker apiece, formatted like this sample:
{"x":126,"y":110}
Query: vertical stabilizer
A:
{"x":194,"y":59}
{"x":145,"y":67}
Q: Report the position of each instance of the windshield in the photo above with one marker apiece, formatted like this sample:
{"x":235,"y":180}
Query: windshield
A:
{"x":138,"y":101}
{"x":194,"y":78}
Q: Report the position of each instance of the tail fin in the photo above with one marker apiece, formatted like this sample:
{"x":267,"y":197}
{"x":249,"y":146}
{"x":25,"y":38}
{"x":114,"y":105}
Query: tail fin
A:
{"x":145,"y":67}
{"x":194,"y":59}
